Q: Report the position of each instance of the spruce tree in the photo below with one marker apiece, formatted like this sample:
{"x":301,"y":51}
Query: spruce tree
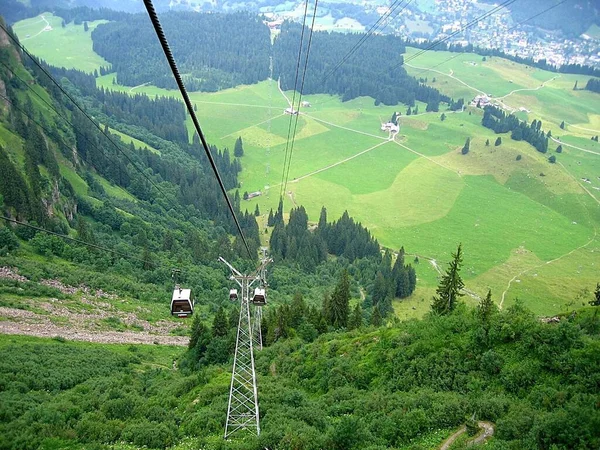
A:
{"x":256,"y":211}
{"x":340,"y":302}
{"x":238,"y":149}
{"x":596,"y":300}
{"x":355,"y":321}
{"x":486,"y":308}
{"x":448,"y":291}
{"x":376,"y":317}
{"x":220,"y":325}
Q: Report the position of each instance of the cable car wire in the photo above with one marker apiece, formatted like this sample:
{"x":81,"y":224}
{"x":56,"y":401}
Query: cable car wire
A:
{"x":506,"y":3}
{"x":69,"y":238}
{"x":287,"y":143}
{"x":366,"y":36}
{"x":487,"y":40}
{"x":312,"y":26}
{"x":188,"y":103}
{"x":51,"y":78}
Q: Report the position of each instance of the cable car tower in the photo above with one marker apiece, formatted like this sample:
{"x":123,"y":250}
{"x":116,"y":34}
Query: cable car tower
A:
{"x":242,"y":408}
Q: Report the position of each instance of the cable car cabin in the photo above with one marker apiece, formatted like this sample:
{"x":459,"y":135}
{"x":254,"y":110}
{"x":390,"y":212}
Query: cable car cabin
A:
{"x":233,"y":295}
{"x":181,"y":303}
{"x":260,"y":297}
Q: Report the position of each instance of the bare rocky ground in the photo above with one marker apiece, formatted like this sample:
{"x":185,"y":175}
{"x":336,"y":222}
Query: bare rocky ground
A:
{"x":88,"y":322}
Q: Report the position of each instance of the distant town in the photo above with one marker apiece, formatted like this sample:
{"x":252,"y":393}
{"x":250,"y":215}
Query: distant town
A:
{"x":442,"y":19}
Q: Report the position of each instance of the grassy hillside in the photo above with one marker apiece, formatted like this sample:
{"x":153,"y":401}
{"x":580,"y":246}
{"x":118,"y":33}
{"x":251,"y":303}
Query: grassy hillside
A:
{"x":406,"y":387}
{"x":519,"y":219}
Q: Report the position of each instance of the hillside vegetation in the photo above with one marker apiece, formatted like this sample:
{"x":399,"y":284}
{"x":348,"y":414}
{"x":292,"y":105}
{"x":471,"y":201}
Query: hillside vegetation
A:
{"x":408,"y":386}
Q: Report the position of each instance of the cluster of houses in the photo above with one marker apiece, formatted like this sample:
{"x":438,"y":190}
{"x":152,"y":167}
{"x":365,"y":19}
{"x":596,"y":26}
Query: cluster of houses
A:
{"x":481,"y":101}
{"x":293,"y":112}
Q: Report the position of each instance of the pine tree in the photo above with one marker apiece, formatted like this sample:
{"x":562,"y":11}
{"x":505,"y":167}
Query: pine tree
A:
{"x":238,"y":149}
{"x":376,"y":317}
{"x":487,"y":142}
{"x":466,"y":147}
{"x":486,"y":308}
{"x":270,"y":220}
{"x":443,"y":117}
{"x":562,"y":125}
{"x":256,"y":211}
{"x":220,"y":325}
{"x":498,"y":141}
{"x":448,"y":291}
{"x":340,"y":302}
{"x":355,"y":320}
{"x":575,"y":87}
{"x":559,"y":149}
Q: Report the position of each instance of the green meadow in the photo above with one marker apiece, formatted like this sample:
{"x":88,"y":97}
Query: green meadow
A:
{"x":68,"y":46}
{"x":528,"y":227}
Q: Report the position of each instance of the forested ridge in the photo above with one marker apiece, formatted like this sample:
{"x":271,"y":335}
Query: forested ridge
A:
{"x":375,"y":70}
{"x":213,"y":51}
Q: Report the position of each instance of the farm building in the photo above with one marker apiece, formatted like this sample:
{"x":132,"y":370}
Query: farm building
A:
{"x":290,"y":111}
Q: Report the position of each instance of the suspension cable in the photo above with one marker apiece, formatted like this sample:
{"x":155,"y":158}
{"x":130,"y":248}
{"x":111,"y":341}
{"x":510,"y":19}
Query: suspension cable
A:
{"x":51,"y":78}
{"x":167,"y":50}
{"x":301,"y":91}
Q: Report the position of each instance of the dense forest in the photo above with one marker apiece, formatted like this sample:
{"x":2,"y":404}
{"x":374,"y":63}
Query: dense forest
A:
{"x":497,"y":120}
{"x":374,"y":70}
{"x":207,"y":48}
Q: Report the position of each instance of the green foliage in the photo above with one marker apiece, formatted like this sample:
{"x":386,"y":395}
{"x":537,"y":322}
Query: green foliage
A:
{"x":596,"y":300}
{"x":451,"y":284}
{"x":8,"y":240}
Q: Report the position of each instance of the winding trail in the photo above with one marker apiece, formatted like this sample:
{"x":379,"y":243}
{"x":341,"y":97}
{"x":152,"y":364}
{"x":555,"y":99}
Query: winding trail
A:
{"x":487,"y":432}
{"x":139,"y":85}
{"x":450,"y":75}
{"x":46,"y":28}
{"x":523,"y":272}
{"x":528,"y":89}
{"x":558,"y":141}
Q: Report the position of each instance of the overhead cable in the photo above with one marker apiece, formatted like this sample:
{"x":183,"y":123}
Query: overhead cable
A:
{"x":69,"y":238}
{"x":312,"y":26}
{"x":434,"y":44}
{"x":287,"y":142}
{"x":190,"y":107}
{"x":51,"y":78}
{"x":367,"y":35}
{"x":510,"y":29}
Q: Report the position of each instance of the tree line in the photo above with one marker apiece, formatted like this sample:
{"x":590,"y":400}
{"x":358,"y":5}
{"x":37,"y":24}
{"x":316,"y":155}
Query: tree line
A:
{"x":375,"y":70}
{"x":213,"y":51}
{"x":496,"y":119}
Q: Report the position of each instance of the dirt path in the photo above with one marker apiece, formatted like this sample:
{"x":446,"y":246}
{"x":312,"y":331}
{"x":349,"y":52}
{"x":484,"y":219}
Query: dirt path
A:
{"x":528,"y":89}
{"x":487,"y":432}
{"x":558,"y":141}
{"x":49,"y":330}
{"x":47,"y":27}
{"x":451,"y":75}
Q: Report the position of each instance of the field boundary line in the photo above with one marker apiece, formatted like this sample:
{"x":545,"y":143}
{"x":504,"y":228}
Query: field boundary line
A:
{"x":345,"y":128}
{"x":573,"y":146}
{"x":523,"y":272}
{"x":252,"y":126}
{"x":295,"y":180}
{"x":139,"y":85}
{"x":427,"y":158}
{"x":528,"y":89}
{"x":448,"y":75}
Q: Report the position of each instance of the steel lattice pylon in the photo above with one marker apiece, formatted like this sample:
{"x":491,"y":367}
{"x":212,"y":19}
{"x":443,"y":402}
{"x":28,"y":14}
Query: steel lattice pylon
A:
{"x":242,"y":408}
{"x":256,"y":330}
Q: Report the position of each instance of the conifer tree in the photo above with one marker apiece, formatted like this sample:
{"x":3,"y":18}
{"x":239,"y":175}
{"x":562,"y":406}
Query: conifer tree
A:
{"x":486,"y":308}
{"x":355,"y":320}
{"x":340,"y":302}
{"x":238,"y":149}
{"x":376,"y":317}
{"x":256,"y":211}
{"x":596,"y":300}
{"x":220,"y":325}
{"x":449,"y":289}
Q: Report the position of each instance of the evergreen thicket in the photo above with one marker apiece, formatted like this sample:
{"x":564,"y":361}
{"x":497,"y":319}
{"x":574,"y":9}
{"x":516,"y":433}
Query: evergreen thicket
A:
{"x":374,"y":70}
{"x":497,"y":120}
{"x":207,"y":48}
{"x":593,"y":85}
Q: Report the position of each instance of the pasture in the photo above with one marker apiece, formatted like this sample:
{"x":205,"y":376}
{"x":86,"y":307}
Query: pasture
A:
{"x":68,"y":46}
{"x":528,"y":227}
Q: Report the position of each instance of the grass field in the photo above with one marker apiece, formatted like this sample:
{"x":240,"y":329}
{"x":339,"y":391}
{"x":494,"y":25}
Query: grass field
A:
{"x":528,"y":227}
{"x":68,"y":46}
